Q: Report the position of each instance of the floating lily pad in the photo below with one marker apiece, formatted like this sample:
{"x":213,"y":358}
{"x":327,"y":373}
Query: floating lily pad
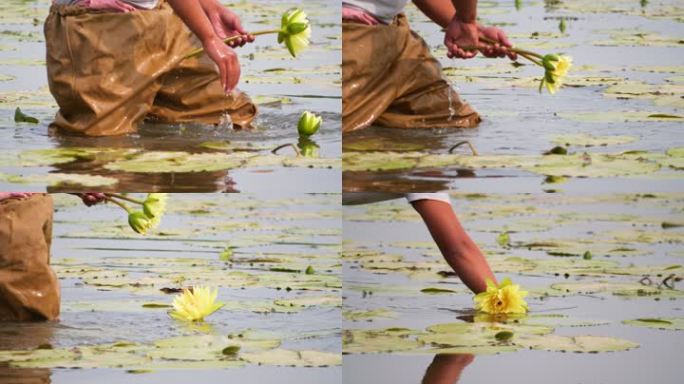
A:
{"x":378,"y":341}
{"x":669,"y":323}
{"x":60,"y":179}
{"x":586,"y":140}
{"x":367,"y":315}
{"x":577,"y":344}
{"x":284,"y":357}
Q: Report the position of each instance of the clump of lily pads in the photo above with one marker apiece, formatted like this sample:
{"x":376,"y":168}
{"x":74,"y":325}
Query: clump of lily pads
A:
{"x":148,"y":216}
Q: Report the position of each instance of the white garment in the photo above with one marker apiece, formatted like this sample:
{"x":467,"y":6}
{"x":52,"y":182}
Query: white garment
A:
{"x":437,"y":196}
{"x":385,"y":10}
{"x":143,"y":4}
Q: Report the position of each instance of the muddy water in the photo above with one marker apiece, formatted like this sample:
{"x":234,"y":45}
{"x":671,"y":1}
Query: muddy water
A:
{"x":197,"y":228}
{"x":516,"y":118}
{"x":282,"y":86}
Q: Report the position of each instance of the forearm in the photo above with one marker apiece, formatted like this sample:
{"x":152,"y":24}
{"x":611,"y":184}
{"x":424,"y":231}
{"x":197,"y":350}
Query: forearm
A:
{"x":439,"y":11}
{"x":466,"y":10}
{"x":209,"y":6}
{"x":459,"y":250}
{"x":194,"y":17}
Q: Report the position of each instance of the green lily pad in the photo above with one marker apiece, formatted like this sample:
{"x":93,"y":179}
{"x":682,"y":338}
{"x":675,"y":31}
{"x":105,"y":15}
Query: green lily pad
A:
{"x":378,"y":341}
{"x":367,"y":315}
{"x":577,"y":344}
{"x":332,"y":301}
{"x":669,"y":323}
{"x":60,"y":179}
{"x":21,"y":117}
{"x":618,"y":117}
{"x":284,"y":357}
{"x":586,"y":140}
{"x":626,"y":290}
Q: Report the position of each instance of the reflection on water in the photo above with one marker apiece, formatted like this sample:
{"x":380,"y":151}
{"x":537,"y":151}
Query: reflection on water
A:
{"x":25,"y":336}
{"x":447,"y":369}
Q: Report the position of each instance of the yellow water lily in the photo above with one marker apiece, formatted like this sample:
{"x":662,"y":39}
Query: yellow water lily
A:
{"x":504,"y":298}
{"x":195,"y":304}
{"x":556,"y":67}
{"x":295,"y":31}
{"x":154,"y":207}
{"x":309,"y":123}
{"x":139,"y":222}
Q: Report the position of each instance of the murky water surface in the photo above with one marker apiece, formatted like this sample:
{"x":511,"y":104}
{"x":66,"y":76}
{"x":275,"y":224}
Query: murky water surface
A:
{"x":283,"y":87}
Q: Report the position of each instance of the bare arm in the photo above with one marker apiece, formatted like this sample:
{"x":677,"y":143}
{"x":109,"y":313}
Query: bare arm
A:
{"x":194,"y":16}
{"x":439,"y":11}
{"x":462,"y":29}
{"x":466,"y":10}
{"x":459,"y":250}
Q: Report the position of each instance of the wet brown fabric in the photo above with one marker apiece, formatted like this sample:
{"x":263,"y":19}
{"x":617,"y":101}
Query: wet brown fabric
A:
{"x":96,"y":60}
{"x":29,"y":289}
{"x":389,"y":78}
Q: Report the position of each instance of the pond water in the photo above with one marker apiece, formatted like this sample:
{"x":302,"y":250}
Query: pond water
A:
{"x":108,"y":273}
{"x":283,"y":87}
{"x":390,"y":258}
{"x":626,"y":80}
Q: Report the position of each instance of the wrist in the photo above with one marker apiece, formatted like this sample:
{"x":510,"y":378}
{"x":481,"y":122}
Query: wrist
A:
{"x":466,"y":17}
{"x":209,"y":39}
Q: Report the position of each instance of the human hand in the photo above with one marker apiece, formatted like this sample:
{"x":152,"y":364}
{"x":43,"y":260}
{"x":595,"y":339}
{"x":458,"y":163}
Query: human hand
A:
{"x":227,"y":61}
{"x":501,"y":46}
{"x":14,"y":195}
{"x":359,"y":16}
{"x":462,"y":39}
{"x":107,"y":5}
{"x":92,"y":198}
{"x":226,"y":23}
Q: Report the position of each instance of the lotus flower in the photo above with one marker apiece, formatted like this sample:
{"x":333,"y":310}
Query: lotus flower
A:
{"x":295,"y":31}
{"x":504,"y":298}
{"x":195,"y":304}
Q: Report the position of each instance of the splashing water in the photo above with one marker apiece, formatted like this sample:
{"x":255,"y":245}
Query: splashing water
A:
{"x":226,"y":122}
{"x":452,"y":86}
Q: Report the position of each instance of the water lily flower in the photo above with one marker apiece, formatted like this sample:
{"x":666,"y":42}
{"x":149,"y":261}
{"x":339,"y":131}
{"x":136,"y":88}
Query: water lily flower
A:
{"x":154,"y":207}
{"x":195,"y":304}
{"x":309,"y":123}
{"x":295,"y":31}
{"x":556,"y":67}
{"x":139,"y":221}
{"x":504,"y":298}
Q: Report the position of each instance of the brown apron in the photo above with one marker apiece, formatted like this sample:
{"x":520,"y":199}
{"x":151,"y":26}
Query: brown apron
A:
{"x":96,"y":60}
{"x":29,"y":289}
{"x":389,"y":78}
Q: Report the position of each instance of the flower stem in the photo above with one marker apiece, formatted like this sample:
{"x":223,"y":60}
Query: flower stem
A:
{"x":513,"y":49}
{"x":120,"y":204}
{"x":531,"y":59}
{"x":198,"y":51}
{"x":124,"y":197}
